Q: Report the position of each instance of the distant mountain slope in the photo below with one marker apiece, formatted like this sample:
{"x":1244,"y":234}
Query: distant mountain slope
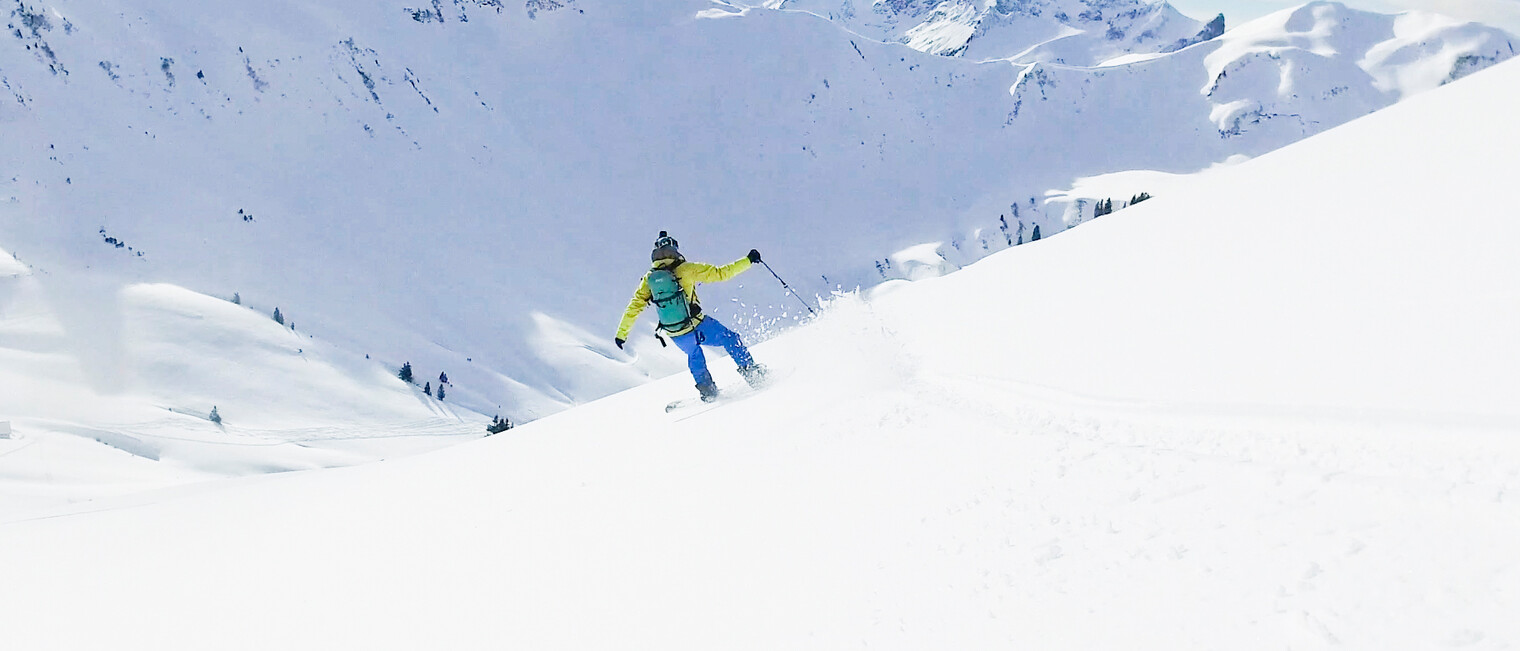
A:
{"x":1289,"y":74}
{"x":1071,"y":32}
{"x":473,"y":186}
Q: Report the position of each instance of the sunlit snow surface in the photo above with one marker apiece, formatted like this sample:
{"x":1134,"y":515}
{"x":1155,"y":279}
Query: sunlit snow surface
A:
{"x":1275,"y":410}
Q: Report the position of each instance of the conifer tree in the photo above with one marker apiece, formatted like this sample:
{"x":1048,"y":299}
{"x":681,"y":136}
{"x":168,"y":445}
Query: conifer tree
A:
{"x":498,"y":425}
{"x":427,"y":388}
{"x":440,"y":392}
{"x":406,"y":373}
{"x":1104,"y":207}
{"x":215,"y":417}
{"x":1036,"y":236}
{"x":279,"y":318}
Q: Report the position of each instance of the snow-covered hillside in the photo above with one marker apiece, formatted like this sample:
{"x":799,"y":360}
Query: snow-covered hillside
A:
{"x":111,"y":390}
{"x":472,"y":186}
{"x":1272,"y":408}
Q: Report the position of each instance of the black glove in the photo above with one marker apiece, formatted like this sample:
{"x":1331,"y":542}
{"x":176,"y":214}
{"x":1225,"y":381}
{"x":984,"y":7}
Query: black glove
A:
{"x":754,"y":256}
{"x":620,"y":343}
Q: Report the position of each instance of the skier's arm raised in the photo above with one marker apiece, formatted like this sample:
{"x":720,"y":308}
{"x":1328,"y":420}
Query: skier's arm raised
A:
{"x":705,"y":273}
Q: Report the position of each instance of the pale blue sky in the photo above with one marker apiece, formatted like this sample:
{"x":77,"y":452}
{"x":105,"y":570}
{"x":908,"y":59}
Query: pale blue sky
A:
{"x":1500,"y":13}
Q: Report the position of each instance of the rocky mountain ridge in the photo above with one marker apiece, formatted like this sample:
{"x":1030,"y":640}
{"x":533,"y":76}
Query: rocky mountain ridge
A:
{"x":1073,"y":32}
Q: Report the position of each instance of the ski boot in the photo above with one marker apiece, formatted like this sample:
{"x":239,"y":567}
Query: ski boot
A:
{"x":709,"y":391}
{"x":754,"y":374}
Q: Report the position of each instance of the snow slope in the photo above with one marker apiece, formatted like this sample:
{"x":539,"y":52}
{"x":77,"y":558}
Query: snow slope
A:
{"x":472,"y":186}
{"x":111,"y":391}
{"x":1274,"y":409}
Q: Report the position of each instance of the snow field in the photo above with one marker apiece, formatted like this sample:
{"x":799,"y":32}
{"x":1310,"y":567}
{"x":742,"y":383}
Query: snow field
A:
{"x":867,"y":499}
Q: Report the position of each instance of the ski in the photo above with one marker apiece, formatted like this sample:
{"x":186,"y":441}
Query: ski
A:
{"x":724,"y":395}
{"x":737,"y":392}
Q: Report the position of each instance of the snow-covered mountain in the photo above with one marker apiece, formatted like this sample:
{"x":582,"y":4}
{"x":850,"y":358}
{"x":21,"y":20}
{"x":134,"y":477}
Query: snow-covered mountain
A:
{"x":472,"y":186}
{"x":1271,"y":408}
{"x":1272,"y":81}
{"x":1070,"y":32}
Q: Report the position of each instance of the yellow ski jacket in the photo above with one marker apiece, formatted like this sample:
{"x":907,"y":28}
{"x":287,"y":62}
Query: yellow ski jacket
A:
{"x":688,"y":274}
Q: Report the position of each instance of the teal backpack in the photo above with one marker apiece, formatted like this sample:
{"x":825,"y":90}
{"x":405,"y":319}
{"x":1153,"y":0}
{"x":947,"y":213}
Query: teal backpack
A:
{"x":669,"y":300}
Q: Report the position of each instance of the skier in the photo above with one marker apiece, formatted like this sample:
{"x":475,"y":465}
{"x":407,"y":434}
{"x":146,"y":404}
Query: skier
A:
{"x":671,"y":285}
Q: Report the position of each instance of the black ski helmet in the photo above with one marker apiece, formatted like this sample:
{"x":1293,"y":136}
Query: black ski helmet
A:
{"x":665,"y":248}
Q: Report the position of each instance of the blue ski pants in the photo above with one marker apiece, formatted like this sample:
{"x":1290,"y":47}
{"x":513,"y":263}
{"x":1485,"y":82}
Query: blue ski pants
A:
{"x":711,"y":333}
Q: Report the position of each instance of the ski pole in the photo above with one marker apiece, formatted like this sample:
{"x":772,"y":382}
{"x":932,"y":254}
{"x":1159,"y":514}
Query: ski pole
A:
{"x":789,"y":288}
